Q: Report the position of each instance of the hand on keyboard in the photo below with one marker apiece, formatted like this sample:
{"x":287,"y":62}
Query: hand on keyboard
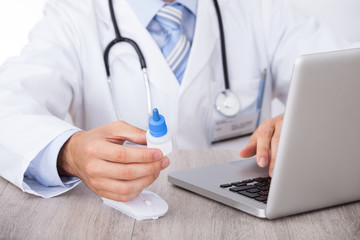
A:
{"x":264,"y":143}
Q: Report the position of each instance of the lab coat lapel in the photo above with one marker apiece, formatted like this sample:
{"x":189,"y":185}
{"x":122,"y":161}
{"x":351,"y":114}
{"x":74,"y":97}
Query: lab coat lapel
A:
{"x":205,"y":38}
{"x":160,"y":74}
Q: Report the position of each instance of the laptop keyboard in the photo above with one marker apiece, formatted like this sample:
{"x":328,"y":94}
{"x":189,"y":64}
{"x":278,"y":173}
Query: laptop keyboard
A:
{"x":257,"y":188}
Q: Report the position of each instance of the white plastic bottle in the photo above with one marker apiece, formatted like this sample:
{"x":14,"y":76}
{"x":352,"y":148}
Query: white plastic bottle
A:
{"x":158,"y":135}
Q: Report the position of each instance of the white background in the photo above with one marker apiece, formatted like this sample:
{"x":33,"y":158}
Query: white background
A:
{"x":17,"y":17}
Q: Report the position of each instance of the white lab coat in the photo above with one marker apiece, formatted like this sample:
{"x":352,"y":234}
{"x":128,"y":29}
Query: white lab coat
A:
{"x":62,"y":71}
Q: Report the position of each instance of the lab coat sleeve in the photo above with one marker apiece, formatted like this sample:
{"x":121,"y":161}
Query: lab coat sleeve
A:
{"x":288,"y":35}
{"x":43,"y":169}
{"x":37,"y":90}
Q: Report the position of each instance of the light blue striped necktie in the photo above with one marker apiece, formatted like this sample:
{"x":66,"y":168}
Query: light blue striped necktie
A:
{"x":177,"y":47}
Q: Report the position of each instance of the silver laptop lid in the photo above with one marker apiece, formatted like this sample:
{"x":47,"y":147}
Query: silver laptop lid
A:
{"x":318,"y":161}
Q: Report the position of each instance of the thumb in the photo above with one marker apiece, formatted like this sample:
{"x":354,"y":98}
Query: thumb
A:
{"x":120,"y":131}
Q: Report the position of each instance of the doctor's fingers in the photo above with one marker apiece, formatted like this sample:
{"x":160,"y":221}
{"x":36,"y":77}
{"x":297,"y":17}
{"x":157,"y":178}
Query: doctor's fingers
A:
{"x":120,"y":131}
{"x":121,"y":190}
{"x":250,"y":149}
{"x":274,"y":146}
{"x":118,"y":171}
{"x":265,"y":134}
{"x":124,"y":154}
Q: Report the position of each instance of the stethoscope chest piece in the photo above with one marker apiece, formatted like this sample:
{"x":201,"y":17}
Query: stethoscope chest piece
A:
{"x":227,"y":103}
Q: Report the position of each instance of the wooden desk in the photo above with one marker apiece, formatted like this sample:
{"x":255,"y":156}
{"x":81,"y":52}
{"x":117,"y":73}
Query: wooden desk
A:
{"x":80,"y":214}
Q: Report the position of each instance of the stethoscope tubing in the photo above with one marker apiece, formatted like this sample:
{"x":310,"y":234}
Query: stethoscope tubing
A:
{"x":223,"y":45}
{"x":120,"y":39}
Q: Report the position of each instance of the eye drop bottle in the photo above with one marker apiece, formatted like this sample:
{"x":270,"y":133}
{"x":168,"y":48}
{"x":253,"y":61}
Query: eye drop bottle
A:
{"x":158,"y":136}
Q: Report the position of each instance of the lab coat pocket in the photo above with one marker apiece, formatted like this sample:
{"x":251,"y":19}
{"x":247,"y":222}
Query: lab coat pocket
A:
{"x":247,"y":92}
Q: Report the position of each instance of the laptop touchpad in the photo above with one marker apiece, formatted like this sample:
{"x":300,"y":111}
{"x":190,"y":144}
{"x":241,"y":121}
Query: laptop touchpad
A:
{"x":249,"y":167}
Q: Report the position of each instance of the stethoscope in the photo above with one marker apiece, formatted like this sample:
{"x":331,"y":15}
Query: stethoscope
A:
{"x":226,"y":102}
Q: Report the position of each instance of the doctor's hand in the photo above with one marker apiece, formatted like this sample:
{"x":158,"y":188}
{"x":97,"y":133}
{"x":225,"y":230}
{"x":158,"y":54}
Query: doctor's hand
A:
{"x":108,"y":168}
{"x":264,"y":143}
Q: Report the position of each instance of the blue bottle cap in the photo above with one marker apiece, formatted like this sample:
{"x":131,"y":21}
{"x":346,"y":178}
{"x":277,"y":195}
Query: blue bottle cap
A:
{"x":157,"y":124}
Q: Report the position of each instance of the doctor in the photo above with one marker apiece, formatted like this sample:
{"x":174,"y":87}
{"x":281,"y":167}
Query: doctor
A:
{"x":59,"y":121}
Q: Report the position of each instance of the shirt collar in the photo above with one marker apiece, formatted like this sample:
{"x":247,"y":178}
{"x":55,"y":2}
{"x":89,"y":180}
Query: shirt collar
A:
{"x":145,"y":10}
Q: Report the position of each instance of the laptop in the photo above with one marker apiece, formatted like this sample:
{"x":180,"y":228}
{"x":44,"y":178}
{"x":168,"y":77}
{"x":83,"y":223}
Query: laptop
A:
{"x":318,"y":159}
